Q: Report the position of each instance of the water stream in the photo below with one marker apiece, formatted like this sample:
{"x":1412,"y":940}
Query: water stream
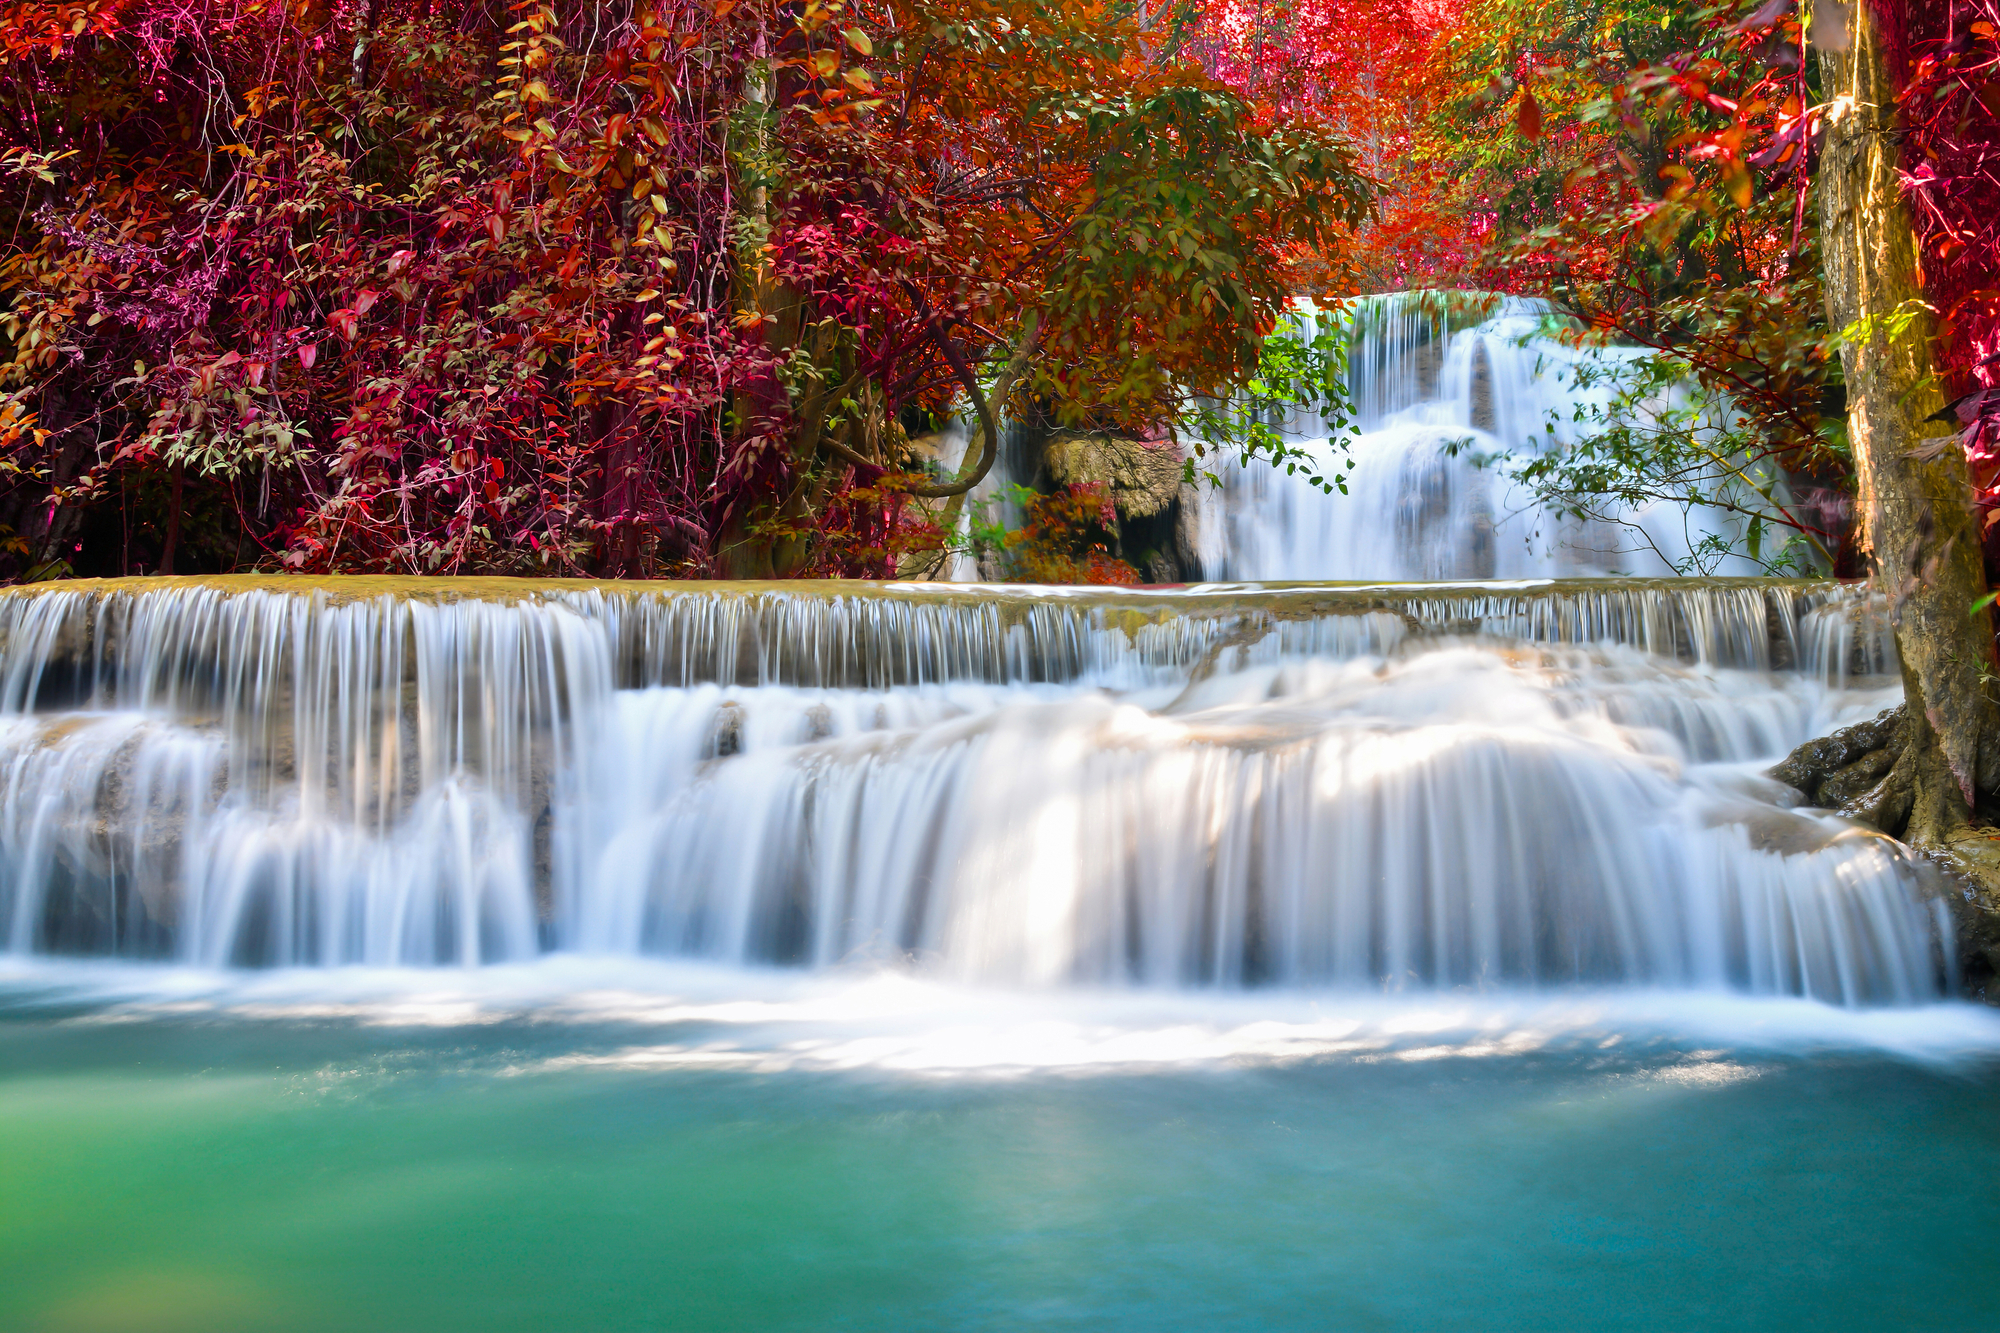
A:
{"x":1449,"y":398}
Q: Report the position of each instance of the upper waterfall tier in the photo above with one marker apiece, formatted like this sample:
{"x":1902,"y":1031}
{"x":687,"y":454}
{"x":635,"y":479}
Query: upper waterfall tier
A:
{"x":1453,"y":392}
{"x":1500,"y":784}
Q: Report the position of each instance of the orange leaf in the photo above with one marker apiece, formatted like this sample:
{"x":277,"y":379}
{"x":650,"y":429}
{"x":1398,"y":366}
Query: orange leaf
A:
{"x":1736,"y":180}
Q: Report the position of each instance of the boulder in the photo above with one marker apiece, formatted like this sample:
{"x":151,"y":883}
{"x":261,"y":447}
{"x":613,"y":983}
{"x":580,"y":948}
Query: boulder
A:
{"x":1144,"y":476}
{"x":1837,"y":771}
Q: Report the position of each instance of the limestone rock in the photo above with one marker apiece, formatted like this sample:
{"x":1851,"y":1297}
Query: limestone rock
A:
{"x":1886,"y":805}
{"x":1144,"y":476}
{"x":933,"y":445}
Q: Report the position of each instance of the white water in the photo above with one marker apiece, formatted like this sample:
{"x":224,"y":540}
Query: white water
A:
{"x":1424,"y":501}
{"x":1305,"y":787}
{"x":690,"y":1015}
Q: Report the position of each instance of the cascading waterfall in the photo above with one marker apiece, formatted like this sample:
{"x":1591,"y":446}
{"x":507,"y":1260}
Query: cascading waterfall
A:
{"x":1484,"y":785}
{"x":1440,"y":391}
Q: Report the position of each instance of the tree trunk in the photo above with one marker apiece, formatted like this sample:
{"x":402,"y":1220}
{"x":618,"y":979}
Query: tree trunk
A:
{"x":1913,"y":495}
{"x":1914,"y":502}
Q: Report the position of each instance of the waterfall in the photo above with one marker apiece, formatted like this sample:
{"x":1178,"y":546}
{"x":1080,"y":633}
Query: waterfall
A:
{"x":1441,"y":390}
{"x":1537,"y":783}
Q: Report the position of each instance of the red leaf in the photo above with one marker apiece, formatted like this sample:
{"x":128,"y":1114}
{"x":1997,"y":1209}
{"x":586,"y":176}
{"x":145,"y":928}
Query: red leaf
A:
{"x":1529,"y":116}
{"x":308,"y":353}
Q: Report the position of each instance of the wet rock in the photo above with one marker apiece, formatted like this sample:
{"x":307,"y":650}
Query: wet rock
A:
{"x":1778,"y":633}
{"x":1784,"y":832}
{"x":1851,"y":781}
{"x":1484,"y":416}
{"x":726,"y":737}
{"x":1972,"y":858}
{"x":1843,"y":769}
{"x":1864,"y":773}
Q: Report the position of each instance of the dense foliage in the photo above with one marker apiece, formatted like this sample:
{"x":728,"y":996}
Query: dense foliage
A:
{"x":682,"y":286}
{"x":1647,"y":167}
{"x":1950,"y":58}
{"x":661,"y":287}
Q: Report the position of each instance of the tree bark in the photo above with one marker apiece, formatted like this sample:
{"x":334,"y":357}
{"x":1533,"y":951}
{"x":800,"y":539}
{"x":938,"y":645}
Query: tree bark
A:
{"x":176,"y":475}
{"x":1913,"y":495}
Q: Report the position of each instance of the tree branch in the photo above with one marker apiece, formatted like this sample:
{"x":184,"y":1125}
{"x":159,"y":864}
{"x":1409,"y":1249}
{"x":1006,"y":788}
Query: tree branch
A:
{"x":974,"y":469}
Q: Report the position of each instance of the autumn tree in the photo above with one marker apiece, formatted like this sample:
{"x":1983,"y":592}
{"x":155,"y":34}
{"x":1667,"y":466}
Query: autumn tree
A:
{"x":659,"y":288}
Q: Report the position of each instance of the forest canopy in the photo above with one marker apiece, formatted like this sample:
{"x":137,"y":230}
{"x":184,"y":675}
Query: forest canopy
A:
{"x":688,"y":287}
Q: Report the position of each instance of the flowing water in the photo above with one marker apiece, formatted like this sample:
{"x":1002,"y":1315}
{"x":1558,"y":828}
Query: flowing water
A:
{"x":1449,"y":398}
{"x":409,"y":954}
{"x":1390,"y":787}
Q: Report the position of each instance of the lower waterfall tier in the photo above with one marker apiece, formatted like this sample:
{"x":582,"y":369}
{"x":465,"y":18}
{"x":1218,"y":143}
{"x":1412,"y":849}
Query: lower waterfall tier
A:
{"x":1368,"y":808}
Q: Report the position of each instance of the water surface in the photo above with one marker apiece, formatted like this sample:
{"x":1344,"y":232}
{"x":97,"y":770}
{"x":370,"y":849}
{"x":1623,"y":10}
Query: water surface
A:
{"x":578,"y":1145}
